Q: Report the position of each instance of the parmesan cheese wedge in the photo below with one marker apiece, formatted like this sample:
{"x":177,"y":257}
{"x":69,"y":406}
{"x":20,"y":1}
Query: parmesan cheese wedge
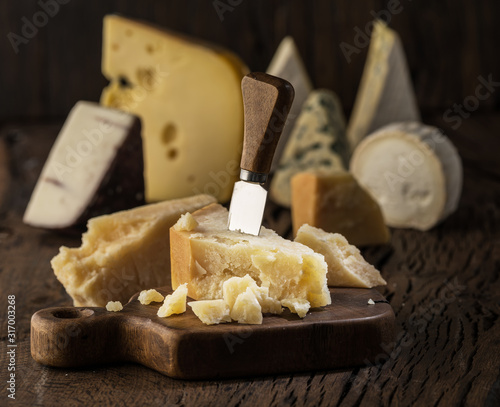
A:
{"x":122,"y":253}
{"x":413,"y":171}
{"x":208,"y":255}
{"x":346,"y":265}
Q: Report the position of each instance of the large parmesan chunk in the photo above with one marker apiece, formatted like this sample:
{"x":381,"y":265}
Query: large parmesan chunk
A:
{"x":210,"y":254}
{"x":346,"y":265}
{"x":122,"y":253}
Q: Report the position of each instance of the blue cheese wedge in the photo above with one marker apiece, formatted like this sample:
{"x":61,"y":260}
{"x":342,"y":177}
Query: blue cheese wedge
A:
{"x":386,"y":92}
{"x":318,"y":142}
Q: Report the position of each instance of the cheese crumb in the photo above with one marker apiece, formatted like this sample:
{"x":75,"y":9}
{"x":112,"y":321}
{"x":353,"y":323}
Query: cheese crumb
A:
{"x":243,"y":301}
{"x":234,"y":286}
{"x":297,"y":305}
{"x":186,"y":222}
{"x":174,"y":303}
{"x":148,"y":296}
{"x":371,"y":302}
{"x":114,"y":306}
{"x":211,"y":312}
{"x":246,"y":308}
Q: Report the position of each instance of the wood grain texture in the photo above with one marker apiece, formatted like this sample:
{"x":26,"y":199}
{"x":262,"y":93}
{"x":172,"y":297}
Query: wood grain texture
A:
{"x":267,"y":101}
{"x":443,"y":285}
{"x":449,"y":44}
{"x":348,"y":333}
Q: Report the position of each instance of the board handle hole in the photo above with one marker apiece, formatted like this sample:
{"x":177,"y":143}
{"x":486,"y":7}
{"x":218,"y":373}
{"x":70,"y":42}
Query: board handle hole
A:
{"x":68,"y":313}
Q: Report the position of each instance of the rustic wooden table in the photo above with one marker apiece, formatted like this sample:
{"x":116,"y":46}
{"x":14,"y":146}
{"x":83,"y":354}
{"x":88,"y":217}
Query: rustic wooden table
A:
{"x":443,"y":285}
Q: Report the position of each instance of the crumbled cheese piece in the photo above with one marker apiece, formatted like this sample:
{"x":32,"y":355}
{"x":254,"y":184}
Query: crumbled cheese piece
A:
{"x":234,"y":286}
{"x":371,"y":302}
{"x":114,"y":306}
{"x":246,"y":308}
{"x":211,"y":312}
{"x":186,"y":222}
{"x":243,"y":301}
{"x":297,"y":305}
{"x":148,"y":296}
{"x":174,"y":303}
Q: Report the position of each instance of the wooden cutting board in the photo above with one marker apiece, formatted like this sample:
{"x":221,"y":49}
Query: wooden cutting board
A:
{"x":348,"y":332}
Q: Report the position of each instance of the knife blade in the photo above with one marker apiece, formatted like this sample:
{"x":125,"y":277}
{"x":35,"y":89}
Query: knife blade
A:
{"x":266,"y":103}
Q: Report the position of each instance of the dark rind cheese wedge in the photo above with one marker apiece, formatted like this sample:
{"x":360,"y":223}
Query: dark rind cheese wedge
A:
{"x":95,"y":167}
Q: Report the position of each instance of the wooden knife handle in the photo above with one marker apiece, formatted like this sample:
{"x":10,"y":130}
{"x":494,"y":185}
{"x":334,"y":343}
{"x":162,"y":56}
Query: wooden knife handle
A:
{"x":267,"y":101}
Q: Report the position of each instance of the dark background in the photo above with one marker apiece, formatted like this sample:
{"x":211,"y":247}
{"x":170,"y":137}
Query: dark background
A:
{"x":449,"y":44}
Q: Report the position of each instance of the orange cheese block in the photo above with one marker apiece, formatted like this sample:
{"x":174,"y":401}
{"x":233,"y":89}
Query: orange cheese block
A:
{"x":336,"y":203}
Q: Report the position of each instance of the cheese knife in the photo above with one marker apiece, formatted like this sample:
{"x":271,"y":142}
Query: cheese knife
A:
{"x":266,"y":103}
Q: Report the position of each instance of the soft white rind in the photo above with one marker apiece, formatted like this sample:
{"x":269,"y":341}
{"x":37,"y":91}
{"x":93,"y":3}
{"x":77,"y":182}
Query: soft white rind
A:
{"x":413,"y":171}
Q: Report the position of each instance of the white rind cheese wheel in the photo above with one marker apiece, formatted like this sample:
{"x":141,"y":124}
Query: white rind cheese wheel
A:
{"x":413,"y":171}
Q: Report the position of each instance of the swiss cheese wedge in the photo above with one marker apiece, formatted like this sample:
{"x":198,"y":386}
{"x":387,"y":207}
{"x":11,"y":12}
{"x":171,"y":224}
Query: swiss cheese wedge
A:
{"x":188,"y":96}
